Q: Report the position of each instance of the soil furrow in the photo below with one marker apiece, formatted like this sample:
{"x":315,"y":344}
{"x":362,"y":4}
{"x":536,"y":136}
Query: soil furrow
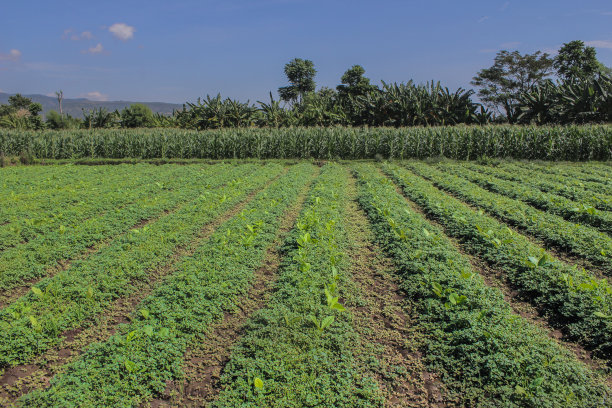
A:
{"x":21,"y":379}
{"x":386,"y":322}
{"x":205,"y":360}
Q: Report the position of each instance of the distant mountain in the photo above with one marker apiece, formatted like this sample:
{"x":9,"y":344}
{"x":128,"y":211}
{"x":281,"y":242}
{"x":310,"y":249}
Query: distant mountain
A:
{"x":74,"y":106}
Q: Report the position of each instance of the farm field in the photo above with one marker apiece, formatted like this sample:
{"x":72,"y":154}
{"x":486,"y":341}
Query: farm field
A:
{"x":306,"y":283}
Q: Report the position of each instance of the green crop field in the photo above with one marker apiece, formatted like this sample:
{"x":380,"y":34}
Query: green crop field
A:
{"x":307,"y":283}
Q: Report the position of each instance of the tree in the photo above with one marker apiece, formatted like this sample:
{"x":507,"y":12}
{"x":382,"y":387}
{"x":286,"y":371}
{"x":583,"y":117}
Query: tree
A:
{"x":300,"y":74}
{"x":136,"y":115}
{"x":511,"y":75}
{"x":58,"y":121}
{"x":354,"y":83}
{"x":577,"y":62}
{"x":60,"y":97}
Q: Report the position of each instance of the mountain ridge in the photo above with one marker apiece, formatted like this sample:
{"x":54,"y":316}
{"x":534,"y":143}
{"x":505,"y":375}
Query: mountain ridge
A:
{"x":74,"y":106}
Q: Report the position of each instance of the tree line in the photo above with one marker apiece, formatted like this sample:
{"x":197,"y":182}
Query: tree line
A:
{"x":572,"y":87}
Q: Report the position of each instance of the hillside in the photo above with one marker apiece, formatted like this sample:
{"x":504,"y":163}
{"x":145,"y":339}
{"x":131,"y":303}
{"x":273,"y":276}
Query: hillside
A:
{"x":74,"y":106}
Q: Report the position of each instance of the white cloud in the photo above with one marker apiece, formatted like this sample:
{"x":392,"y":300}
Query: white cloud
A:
{"x":94,"y":96}
{"x":94,"y":50}
{"x":13,"y":55}
{"x":122,"y":31}
{"x":505,"y":6}
{"x":84,"y":35}
{"x":483,"y":19}
{"x":599,"y":44}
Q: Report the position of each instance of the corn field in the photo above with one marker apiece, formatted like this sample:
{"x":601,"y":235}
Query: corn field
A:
{"x":572,"y":143}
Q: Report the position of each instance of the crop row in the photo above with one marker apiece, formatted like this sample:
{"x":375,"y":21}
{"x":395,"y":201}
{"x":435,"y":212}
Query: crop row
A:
{"x":578,"y":239}
{"x":571,"y":170}
{"x":133,"y":365}
{"x":585,"y":197}
{"x":594,"y":183}
{"x":456,"y":142}
{"x":37,"y":320}
{"x":58,"y":184}
{"x":303,"y":340}
{"x":552,"y":203}
{"x":573,"y":299}
{"x":485,"y":354}
{"x":27,"y":219}
{"x":32,"y":179}
{"x":33,"y":259}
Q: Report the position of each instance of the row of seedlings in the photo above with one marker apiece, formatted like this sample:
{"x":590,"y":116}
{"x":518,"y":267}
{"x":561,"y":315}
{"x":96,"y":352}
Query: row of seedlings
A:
{"x":552,"y":203}
{"x":47,"y":181}
{"x":29,"y":220}
{"x":584,"y":197}
{"x":485,"y":354}
{"x":134,"y":365}
{"x":580,"y":240}
{"x":37,"y":320}
{"x":590,"y":181}
{"x":36,"y":258}
{"x":572,"y":298}
{"x":298,"y":351}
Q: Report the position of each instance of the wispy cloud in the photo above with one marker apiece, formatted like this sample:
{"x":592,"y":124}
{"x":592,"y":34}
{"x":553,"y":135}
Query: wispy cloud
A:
{"x":510,"y":44}
{"x":13,"y":56}
{"x":599,"y":44}
{"x":74,"y":36}
{"x":483,"y":19}
{"x":94,"y":96}
{"x":504,"y":6}
{"x":98,"y":49}
{"x":606,"y":13}
{"x":122,"y":31}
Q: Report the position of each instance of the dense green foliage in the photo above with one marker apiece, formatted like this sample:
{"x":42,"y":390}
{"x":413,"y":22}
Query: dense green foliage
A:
{"x":487,"y":355}
{"x":35,"y":321}
{"x":119,"y":283}
{"x":575,"y":191}
{"x":578,"y":239}
{"x":135,"y":364}
{"x":570,"y":210}
{"x":569,"y":296}
{"x":456,"y":142}
{"x":61,"y":235}
{"x":286,"y":334}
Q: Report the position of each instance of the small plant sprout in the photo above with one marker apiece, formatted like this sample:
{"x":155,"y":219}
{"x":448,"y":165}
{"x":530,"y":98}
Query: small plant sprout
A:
{"x":323,"y":324}
{"x":536,"y":262}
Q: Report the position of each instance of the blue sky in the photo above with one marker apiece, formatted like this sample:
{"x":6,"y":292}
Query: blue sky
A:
{"x":175,"y":51}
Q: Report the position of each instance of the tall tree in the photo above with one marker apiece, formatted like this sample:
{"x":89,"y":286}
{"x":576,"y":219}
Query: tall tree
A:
{"x":577,"y":62}
{"x":511,"y":75}
{"x":300,"y":74}
{"x":354,"y":82}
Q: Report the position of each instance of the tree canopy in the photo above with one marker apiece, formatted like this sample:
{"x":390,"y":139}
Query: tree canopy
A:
{"x":300,"y":74}
{"x":511,"y":75}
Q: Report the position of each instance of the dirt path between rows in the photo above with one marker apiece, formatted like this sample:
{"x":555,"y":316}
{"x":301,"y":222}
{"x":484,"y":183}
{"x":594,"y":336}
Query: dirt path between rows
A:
{"x":205,"y":360}
{"x":21,"y":379}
